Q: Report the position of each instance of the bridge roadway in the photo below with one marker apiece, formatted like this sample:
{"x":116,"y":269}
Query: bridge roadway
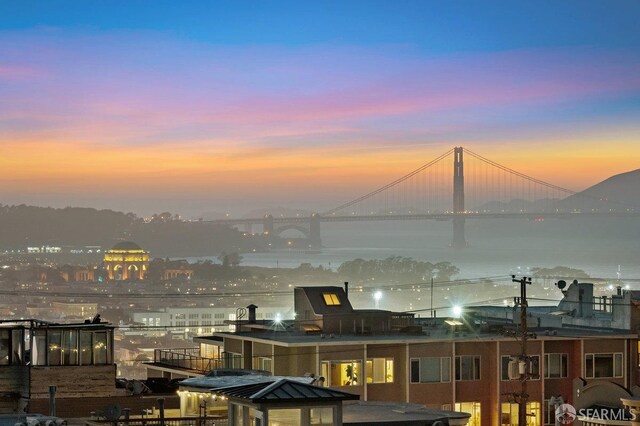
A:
{"x":427,"y":216}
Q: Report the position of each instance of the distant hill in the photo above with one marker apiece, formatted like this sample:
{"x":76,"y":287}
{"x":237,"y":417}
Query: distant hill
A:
{"x":23,"y":226}
{"x":617,"y":192}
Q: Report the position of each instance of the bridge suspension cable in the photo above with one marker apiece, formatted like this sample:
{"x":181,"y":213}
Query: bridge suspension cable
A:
{"x":517,"y":173}
{"x":389,"y":185}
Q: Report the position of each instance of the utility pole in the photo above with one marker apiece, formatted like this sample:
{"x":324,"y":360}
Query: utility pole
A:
{"x":523,"y":335}
{"x":432,"y":313}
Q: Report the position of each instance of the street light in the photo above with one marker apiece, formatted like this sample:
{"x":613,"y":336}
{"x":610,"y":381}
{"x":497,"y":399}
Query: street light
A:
{"x":457,"y":311}
{"x":377,"y":296}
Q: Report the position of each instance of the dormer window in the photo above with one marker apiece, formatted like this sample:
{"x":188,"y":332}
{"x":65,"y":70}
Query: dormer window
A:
{"x":331,"y":299}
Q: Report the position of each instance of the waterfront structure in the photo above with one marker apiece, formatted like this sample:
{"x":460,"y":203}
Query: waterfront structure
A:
{"x":463,"y":364}
{"x":126,"y":261}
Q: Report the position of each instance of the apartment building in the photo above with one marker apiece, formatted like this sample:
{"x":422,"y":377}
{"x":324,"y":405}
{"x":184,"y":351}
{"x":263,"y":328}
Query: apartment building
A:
{"x":75,"y":359}
{"x":461,"y":364}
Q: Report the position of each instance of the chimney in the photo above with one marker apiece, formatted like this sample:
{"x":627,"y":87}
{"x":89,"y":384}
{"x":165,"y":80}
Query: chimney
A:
{"x":346,"y":289}
{"x":252,"y":313}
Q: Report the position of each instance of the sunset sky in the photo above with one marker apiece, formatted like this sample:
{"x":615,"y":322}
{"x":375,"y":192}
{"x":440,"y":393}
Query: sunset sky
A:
{"x":190,"y":107}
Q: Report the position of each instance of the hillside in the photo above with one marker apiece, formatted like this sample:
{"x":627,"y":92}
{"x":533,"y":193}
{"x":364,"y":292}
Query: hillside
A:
{"x":23,"y":226}
{"x":617,"y":192}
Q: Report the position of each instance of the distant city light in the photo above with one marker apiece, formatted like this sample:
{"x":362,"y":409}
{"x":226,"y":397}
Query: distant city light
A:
{"x":377,"y":296}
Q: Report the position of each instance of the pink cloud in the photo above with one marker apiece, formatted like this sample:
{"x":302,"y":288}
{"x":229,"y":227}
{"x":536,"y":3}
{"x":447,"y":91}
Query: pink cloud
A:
{"x":144,"y":88}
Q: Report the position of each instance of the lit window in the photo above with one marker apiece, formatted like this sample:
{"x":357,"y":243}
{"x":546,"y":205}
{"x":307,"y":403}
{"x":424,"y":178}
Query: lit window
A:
{"x":341,"y":373}
{"x":380,"y":370}
{"x":331,"y":299}
{"x":472,"y":408}
{"x":509,"y":413}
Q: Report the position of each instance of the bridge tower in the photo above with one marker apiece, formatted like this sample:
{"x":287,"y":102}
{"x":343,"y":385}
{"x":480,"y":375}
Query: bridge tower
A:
{"x":315,"y":240}
{"x":458,"y":199}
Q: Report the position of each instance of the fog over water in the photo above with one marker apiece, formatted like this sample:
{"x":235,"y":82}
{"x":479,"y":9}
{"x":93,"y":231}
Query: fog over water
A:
{"x":496,"y":246}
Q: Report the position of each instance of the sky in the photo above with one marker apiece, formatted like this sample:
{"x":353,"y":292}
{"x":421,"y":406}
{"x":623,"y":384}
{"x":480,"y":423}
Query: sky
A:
{"x":228,"y":106}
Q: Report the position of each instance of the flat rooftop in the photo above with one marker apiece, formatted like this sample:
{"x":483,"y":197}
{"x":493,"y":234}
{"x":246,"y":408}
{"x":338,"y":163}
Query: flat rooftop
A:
{"x":359,"y":413}
{"x":296,"y":338}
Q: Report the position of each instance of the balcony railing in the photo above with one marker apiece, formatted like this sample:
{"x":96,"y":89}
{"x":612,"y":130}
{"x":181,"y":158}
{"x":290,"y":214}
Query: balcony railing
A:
{"x":186,"y":358}
{"x":168,"y":421}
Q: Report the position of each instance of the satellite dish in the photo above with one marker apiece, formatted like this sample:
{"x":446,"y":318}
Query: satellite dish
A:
{"x":561,"y":284}
{"x":112,"y":412}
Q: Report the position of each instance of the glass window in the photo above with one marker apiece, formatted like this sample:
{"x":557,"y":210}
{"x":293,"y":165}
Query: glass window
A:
{"x":232,"y":360}
{"x":264,"y":364}
{"x":321,"y":416}
{"x":430,"y":370}
{"x":324,"y":373}
{"x":70,"y":347}
{"x":509,"y":414}
{"x":17,"y":339}
{"x":472,"y":408}
{"x":39,"y":348}
{"x":555,"y":365}
{"x":467,"y":368}
{"x":5,"y":348}
{"x":86,"y":348}
{"x":100,"y":348}
{"x":55,"y":347}
{"x":285,"y":417}
{"x":617,"y":365}
{"x":331,"y":299}
{"x":603,"y":365}
{"x":238,"y":411}
{"x":344,"y":373}
{"x":380,"y":370}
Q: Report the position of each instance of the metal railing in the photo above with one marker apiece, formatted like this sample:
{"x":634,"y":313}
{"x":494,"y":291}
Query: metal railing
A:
{"x":167,"y":421}
{"x":186,"y":358}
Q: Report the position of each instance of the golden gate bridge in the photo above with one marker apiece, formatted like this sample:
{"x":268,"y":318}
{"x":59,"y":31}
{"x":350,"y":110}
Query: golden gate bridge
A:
{"x":455,"y":189}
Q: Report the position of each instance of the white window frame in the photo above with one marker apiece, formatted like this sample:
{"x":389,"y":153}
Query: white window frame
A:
{"x":614,"y":355}
{"x":386,"y":371}
{"x":477,"y":375}
{"x":547,"y":363}
{"x":443,"y":361}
